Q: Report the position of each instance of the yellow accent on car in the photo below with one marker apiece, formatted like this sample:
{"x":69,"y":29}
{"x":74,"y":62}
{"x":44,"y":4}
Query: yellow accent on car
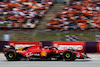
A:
{"x":55,"y":58}
{"x":20,"y":49}
{"x":57,"y":51}
{"x":43,"y":53}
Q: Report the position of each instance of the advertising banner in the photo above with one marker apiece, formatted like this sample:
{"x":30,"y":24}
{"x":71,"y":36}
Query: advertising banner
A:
{"x":64,"y":45}
{"x":46,"y":43}
{"x":2,"y":43}
{"x":97,"y":38}
{"x":72,"y":38}
{"x":22,"y":44}
{"x":98,"y":47}
{"x":91,"y":47}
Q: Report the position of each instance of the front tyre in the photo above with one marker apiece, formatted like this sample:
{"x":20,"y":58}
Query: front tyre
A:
{"x":68,"y":56}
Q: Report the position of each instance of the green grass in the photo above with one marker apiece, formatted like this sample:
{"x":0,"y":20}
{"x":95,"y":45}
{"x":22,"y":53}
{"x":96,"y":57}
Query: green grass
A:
{"x":89,"y":37}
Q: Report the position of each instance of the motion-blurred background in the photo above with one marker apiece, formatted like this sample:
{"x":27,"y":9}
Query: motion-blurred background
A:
{"x":50,"y":20}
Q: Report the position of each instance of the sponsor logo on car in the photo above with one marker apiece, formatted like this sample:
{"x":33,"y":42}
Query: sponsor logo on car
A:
{"x":78,"y":55}
{"x":36,"y":54}
{"x":29,"y":54}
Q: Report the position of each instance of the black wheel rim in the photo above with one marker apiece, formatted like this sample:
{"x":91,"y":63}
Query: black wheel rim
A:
{"x":67,"y":55}
{"x":10,"y":55}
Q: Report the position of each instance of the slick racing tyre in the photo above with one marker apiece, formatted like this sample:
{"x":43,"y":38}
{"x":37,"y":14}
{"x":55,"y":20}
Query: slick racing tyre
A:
{"x":11,"y":55}
{"x":68,"y":56}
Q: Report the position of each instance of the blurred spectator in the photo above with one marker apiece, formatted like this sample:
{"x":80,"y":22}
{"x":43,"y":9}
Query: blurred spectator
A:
{"x":82,"y":15}
{"x":22,"y":13}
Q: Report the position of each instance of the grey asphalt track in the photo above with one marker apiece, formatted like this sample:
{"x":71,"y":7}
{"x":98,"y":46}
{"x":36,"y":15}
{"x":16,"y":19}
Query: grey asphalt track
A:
{"x":94,"y":62}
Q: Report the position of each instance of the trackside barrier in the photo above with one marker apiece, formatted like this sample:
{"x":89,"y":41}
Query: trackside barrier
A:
{"x":98,"y":47}
{"x":22,"y":44}
{"x":91,"y":47}
{"x":2,"y":43}
{"x":88,"y":47}
{"x":46,"y":43}
{"x":64,"y":45}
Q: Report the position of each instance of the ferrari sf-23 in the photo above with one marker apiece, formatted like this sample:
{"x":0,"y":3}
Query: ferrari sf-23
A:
{"x":41,"y":53}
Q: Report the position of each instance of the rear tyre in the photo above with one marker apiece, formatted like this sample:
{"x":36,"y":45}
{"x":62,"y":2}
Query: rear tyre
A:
{"x":68,"y":56}
{"x":11,"y":55}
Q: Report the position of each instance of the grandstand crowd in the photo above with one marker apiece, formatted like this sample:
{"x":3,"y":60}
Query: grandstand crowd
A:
{"x":81,"y":15}
{"x":22,"y":13}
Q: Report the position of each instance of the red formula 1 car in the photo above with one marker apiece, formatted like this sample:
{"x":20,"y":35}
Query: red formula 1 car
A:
{"x":41,"y":53}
